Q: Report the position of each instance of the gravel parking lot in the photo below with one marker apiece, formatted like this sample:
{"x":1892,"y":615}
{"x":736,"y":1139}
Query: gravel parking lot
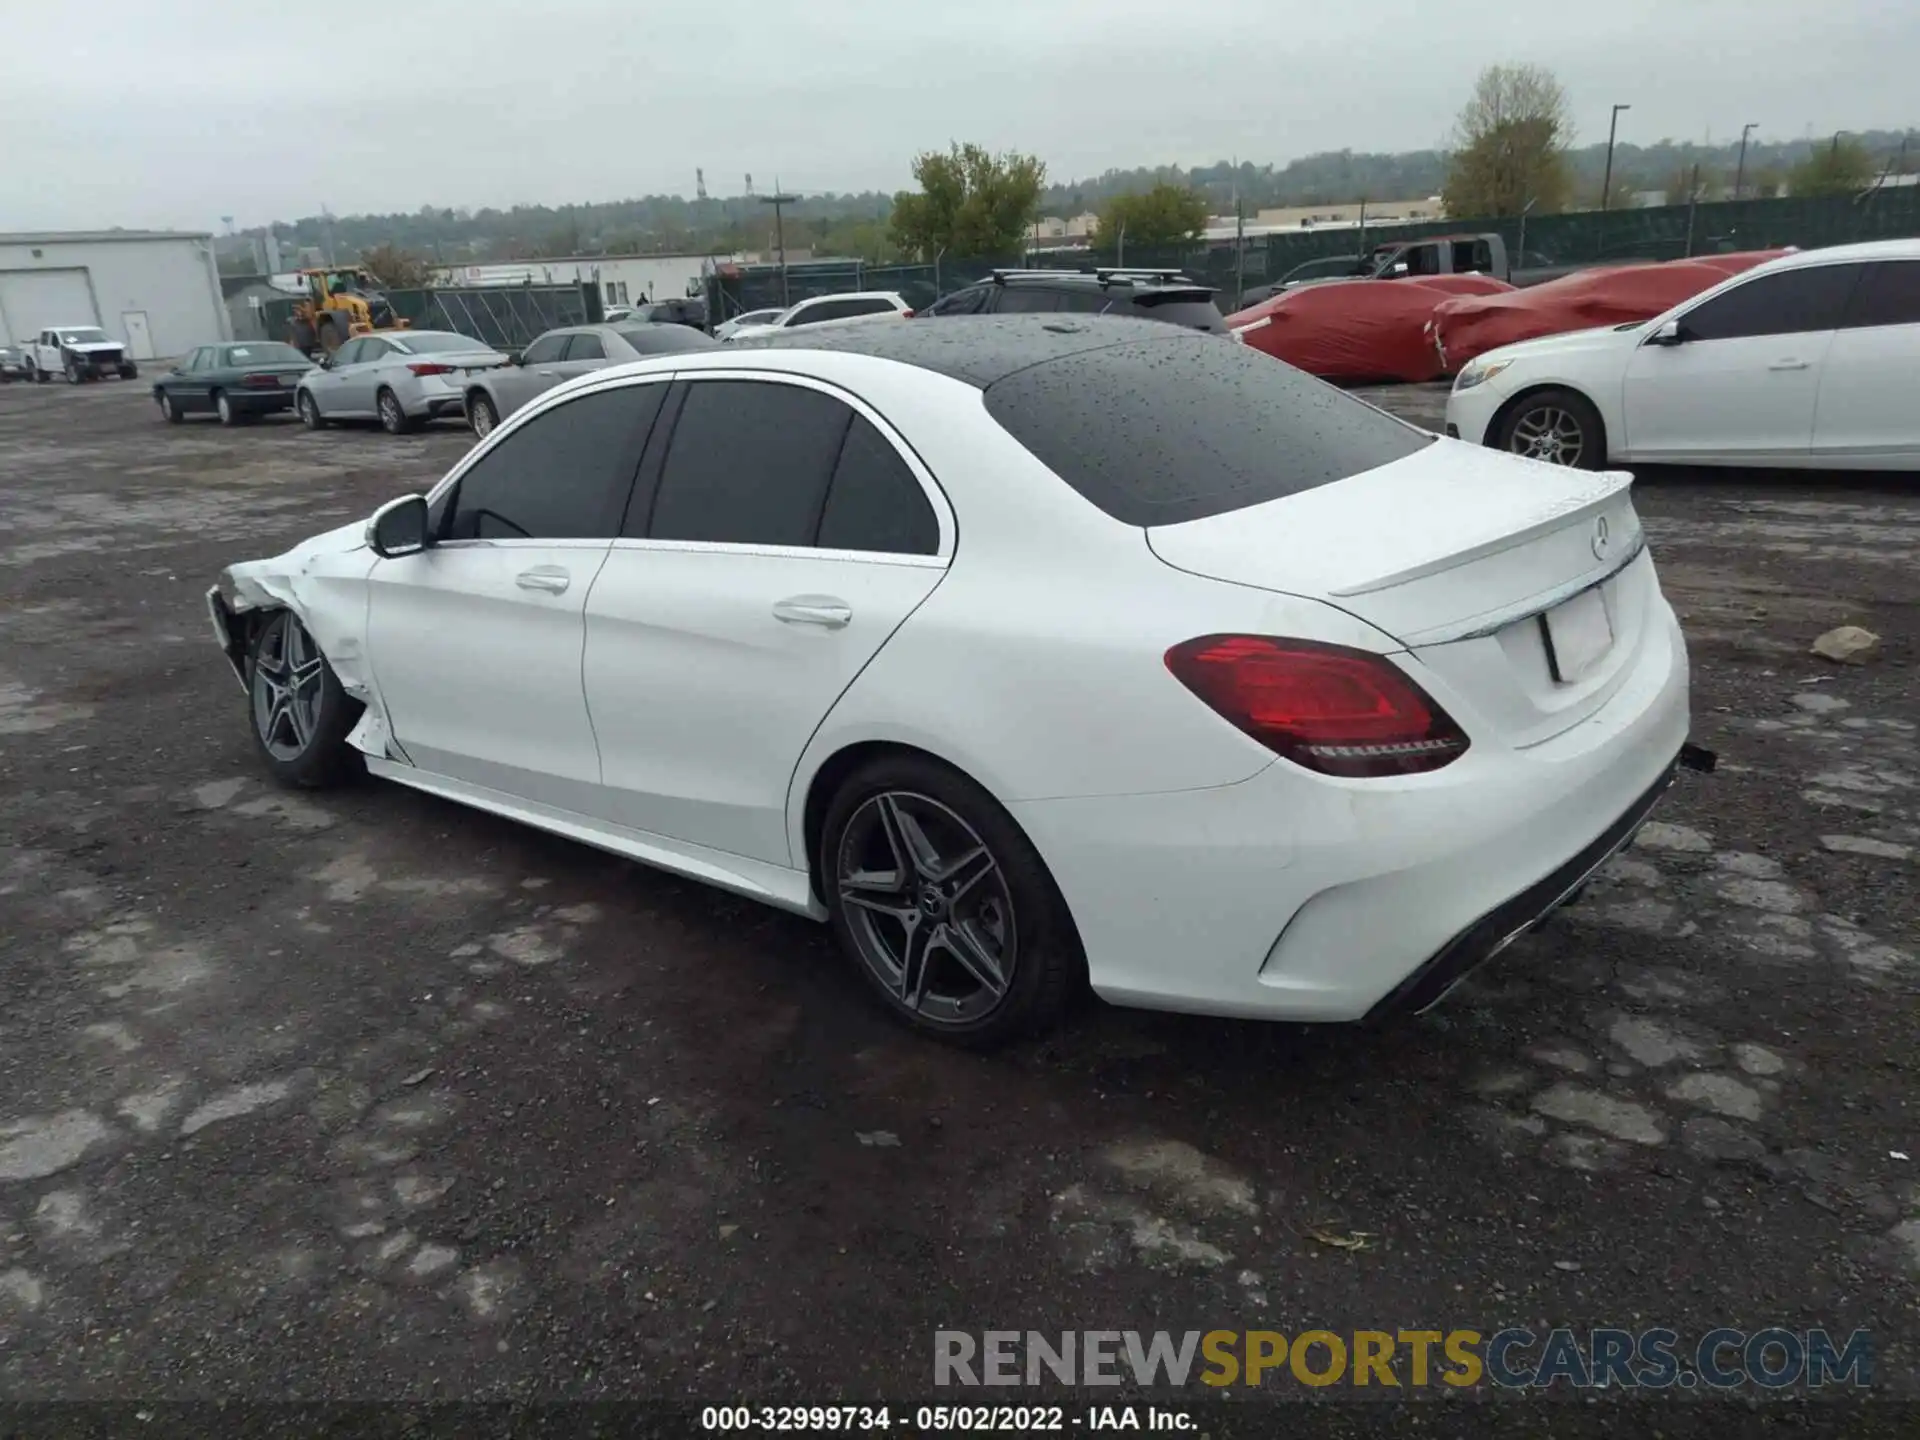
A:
{"x":361,"y":1094}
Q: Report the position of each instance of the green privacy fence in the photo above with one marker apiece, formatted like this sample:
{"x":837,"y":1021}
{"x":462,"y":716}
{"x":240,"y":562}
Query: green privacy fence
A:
{"x":1664,"y":232}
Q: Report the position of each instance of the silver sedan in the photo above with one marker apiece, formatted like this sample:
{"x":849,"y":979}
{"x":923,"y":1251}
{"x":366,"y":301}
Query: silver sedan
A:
{"x":560,"y":355}
{"x":398,"y":377}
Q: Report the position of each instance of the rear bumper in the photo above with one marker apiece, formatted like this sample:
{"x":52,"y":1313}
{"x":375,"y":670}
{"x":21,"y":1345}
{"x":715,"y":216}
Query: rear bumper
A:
{"x":1500,"y":927}
{"x":1296,"y":897}
{"x":260,"y":402}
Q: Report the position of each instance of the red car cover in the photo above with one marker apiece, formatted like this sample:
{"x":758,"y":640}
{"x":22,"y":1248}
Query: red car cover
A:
{"x":1358,"y":329}
{"x":1467,"y":326}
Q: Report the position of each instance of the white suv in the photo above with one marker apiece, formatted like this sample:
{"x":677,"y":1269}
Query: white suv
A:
{"x":854,"y":308}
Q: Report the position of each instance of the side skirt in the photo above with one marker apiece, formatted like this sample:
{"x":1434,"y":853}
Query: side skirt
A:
{"x":775,"y":885}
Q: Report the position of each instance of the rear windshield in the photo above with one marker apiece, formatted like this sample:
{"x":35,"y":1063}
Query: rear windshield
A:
{"x":1193,"y":308}
{"x":1163,"y":432}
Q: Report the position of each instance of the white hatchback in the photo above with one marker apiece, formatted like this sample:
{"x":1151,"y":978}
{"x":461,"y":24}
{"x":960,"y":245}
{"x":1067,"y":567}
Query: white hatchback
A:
{"x":1808,"y":361}
{"x":1026,"y":651}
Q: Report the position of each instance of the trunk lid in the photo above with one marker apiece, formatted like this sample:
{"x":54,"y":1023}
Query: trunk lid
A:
{"x":1523,"y":585}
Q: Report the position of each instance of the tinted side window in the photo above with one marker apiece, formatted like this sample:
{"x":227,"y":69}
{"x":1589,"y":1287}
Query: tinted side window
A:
{"x":1788,"y":302}
{"x":564,"y":475}
{"x":202,"y":359}
{"x":875,"y":503}
{"x":1162,"y":431}
{"x":371,"y":350}
{"x":586,"y":347}
{"x":1889,"y":294}
{"x":1084,"y":302}
{"x":748,"y":464}
{"x":545,"y":350}
{"x":1027,"y":300}
{"x":970,"y":301}
{"x":875,"y":306}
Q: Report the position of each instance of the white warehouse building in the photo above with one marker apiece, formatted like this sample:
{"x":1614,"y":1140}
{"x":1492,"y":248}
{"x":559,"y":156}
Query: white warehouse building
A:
{"x":156,"y":291}
{"x":623,"y":279}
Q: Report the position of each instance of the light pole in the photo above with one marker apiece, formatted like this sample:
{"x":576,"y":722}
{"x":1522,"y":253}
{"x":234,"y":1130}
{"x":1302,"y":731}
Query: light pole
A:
{"x":776,"y":200}
{"x":1606,"y":185}
{"x":1740,"y":171}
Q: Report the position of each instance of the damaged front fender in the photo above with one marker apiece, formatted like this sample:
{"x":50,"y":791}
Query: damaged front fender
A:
{"x":323,"y":581}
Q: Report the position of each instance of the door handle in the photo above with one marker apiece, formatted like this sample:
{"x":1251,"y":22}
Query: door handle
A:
{"x":546,"y":374}
{"x":1788,"y":365}
{"x":550,"y":578}
{"x":821,"y":610}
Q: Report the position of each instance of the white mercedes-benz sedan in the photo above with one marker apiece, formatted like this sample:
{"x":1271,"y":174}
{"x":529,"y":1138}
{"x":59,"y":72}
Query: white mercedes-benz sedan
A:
{"x":1027,"y":652}
{"x":1808,"y":361}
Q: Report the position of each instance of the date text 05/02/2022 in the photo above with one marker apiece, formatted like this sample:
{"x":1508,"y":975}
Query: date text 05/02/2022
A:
{"x":943,"y":1419}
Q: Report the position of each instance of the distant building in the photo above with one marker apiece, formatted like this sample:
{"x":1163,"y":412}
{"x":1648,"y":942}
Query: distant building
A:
{"x":156,"y":291}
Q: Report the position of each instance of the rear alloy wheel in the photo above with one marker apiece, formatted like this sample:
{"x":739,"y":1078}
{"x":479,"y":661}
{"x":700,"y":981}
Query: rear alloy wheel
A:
{"x":223,"y":407}
{"x":393,"y":419}
{"x":301,"y":716}
{"x":945,"y":904}
{"x":481,"y":416}
{"x":310,"y":415}
{"x":1556,"y":426}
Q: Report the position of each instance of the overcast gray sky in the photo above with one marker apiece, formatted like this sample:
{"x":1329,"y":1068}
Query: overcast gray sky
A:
{"x":177,"y":112}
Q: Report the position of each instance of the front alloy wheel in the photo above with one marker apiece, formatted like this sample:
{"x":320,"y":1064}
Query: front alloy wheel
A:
{"x":310,"y":415}
{"x":301,"y":715}
{"x":928,"y":908}
{"x":288,"y":675}
{"x":1550,"y":434}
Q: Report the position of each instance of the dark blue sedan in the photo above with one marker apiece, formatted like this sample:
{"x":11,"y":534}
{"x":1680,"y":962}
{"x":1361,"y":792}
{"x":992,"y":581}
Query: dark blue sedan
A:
{"x":235,"y":381}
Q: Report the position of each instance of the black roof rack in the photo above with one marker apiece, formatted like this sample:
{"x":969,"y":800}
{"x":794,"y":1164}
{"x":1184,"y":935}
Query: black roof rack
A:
{"x":1105,"y":275}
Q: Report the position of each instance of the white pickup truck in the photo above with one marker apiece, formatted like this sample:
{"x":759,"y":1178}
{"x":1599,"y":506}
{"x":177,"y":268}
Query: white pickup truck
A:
{"x":79,"y":352}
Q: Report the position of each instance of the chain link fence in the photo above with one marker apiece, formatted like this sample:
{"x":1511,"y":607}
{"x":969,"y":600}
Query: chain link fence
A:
{"x":1665,"y":232}
{"x":504,"y":316}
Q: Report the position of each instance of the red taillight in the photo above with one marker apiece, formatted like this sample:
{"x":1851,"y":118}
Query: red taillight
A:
{"x":260,"y":382}
{"x":1326,"y":707}
{"x":906,"y":314}
{"x":429,"y":367}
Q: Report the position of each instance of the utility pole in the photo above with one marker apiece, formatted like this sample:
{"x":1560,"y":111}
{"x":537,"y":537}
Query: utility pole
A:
{"x":778,"y":200}
{"x":1740,"y":172}
{"x":1606,"y":185}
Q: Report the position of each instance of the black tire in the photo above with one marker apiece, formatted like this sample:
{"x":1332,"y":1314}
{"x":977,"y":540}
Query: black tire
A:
{"x":332,"y":333}
{"x":1560,"y":427}
{"x":299,"y":726}
{"x":74,"y":377}
{"x":481,"y":416}
{"x":223,"y":407}
{"x":1011,"y":907}
{"x":393,"y":419}
{"x":300,"y":335}
{"x":129,"y":371}
{"x":39,"y":375}
{"x":169,"y":410}
{"x":309,"y":409}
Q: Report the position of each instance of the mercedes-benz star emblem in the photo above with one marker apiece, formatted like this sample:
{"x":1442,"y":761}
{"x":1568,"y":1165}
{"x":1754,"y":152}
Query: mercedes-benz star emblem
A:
{"x":1602,"y":541}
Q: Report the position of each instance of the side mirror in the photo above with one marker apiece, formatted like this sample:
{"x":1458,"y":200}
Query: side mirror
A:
{"x":399,"y":527}
{"x":1668,"y":334}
